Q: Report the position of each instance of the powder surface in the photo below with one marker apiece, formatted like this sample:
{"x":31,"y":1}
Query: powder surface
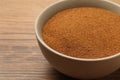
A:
{"x":84,"y":32}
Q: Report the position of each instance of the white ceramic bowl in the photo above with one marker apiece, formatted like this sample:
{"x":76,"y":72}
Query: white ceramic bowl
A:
{"x":71,"y":66}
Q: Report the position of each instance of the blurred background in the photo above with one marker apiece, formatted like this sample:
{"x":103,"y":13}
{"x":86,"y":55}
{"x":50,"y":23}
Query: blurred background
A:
{"x":20,"y":56}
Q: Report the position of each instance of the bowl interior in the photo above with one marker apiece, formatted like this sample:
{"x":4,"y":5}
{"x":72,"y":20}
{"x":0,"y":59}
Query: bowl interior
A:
{"x":65,"y":4}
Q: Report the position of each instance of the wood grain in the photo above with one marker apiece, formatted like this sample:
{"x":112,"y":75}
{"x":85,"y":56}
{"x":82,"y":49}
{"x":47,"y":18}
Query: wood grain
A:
{"x":20,"y":56}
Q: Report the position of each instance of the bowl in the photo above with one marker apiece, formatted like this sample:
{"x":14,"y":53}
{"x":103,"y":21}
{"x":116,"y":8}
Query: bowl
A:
{"x":77,"y":67}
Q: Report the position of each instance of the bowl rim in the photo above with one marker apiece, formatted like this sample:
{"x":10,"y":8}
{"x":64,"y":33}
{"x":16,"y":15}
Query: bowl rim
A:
{"x":63,"y":55}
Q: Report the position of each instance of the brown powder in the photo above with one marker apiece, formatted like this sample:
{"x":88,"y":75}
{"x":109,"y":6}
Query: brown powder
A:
{"x":84,"y":32}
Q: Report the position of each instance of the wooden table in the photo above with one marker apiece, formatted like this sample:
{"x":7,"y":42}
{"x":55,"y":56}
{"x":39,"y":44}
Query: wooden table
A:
{"x":20,"y":56}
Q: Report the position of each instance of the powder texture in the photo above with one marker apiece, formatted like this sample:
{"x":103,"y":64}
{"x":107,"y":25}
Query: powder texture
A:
{"x":84,"y":32}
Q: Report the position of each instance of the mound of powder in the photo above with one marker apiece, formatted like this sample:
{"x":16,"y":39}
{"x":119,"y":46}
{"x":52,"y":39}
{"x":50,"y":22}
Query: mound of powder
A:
{"x":84,"y":32}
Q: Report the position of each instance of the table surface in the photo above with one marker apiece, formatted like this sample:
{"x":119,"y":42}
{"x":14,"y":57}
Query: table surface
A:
{"x":20,"y":56}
